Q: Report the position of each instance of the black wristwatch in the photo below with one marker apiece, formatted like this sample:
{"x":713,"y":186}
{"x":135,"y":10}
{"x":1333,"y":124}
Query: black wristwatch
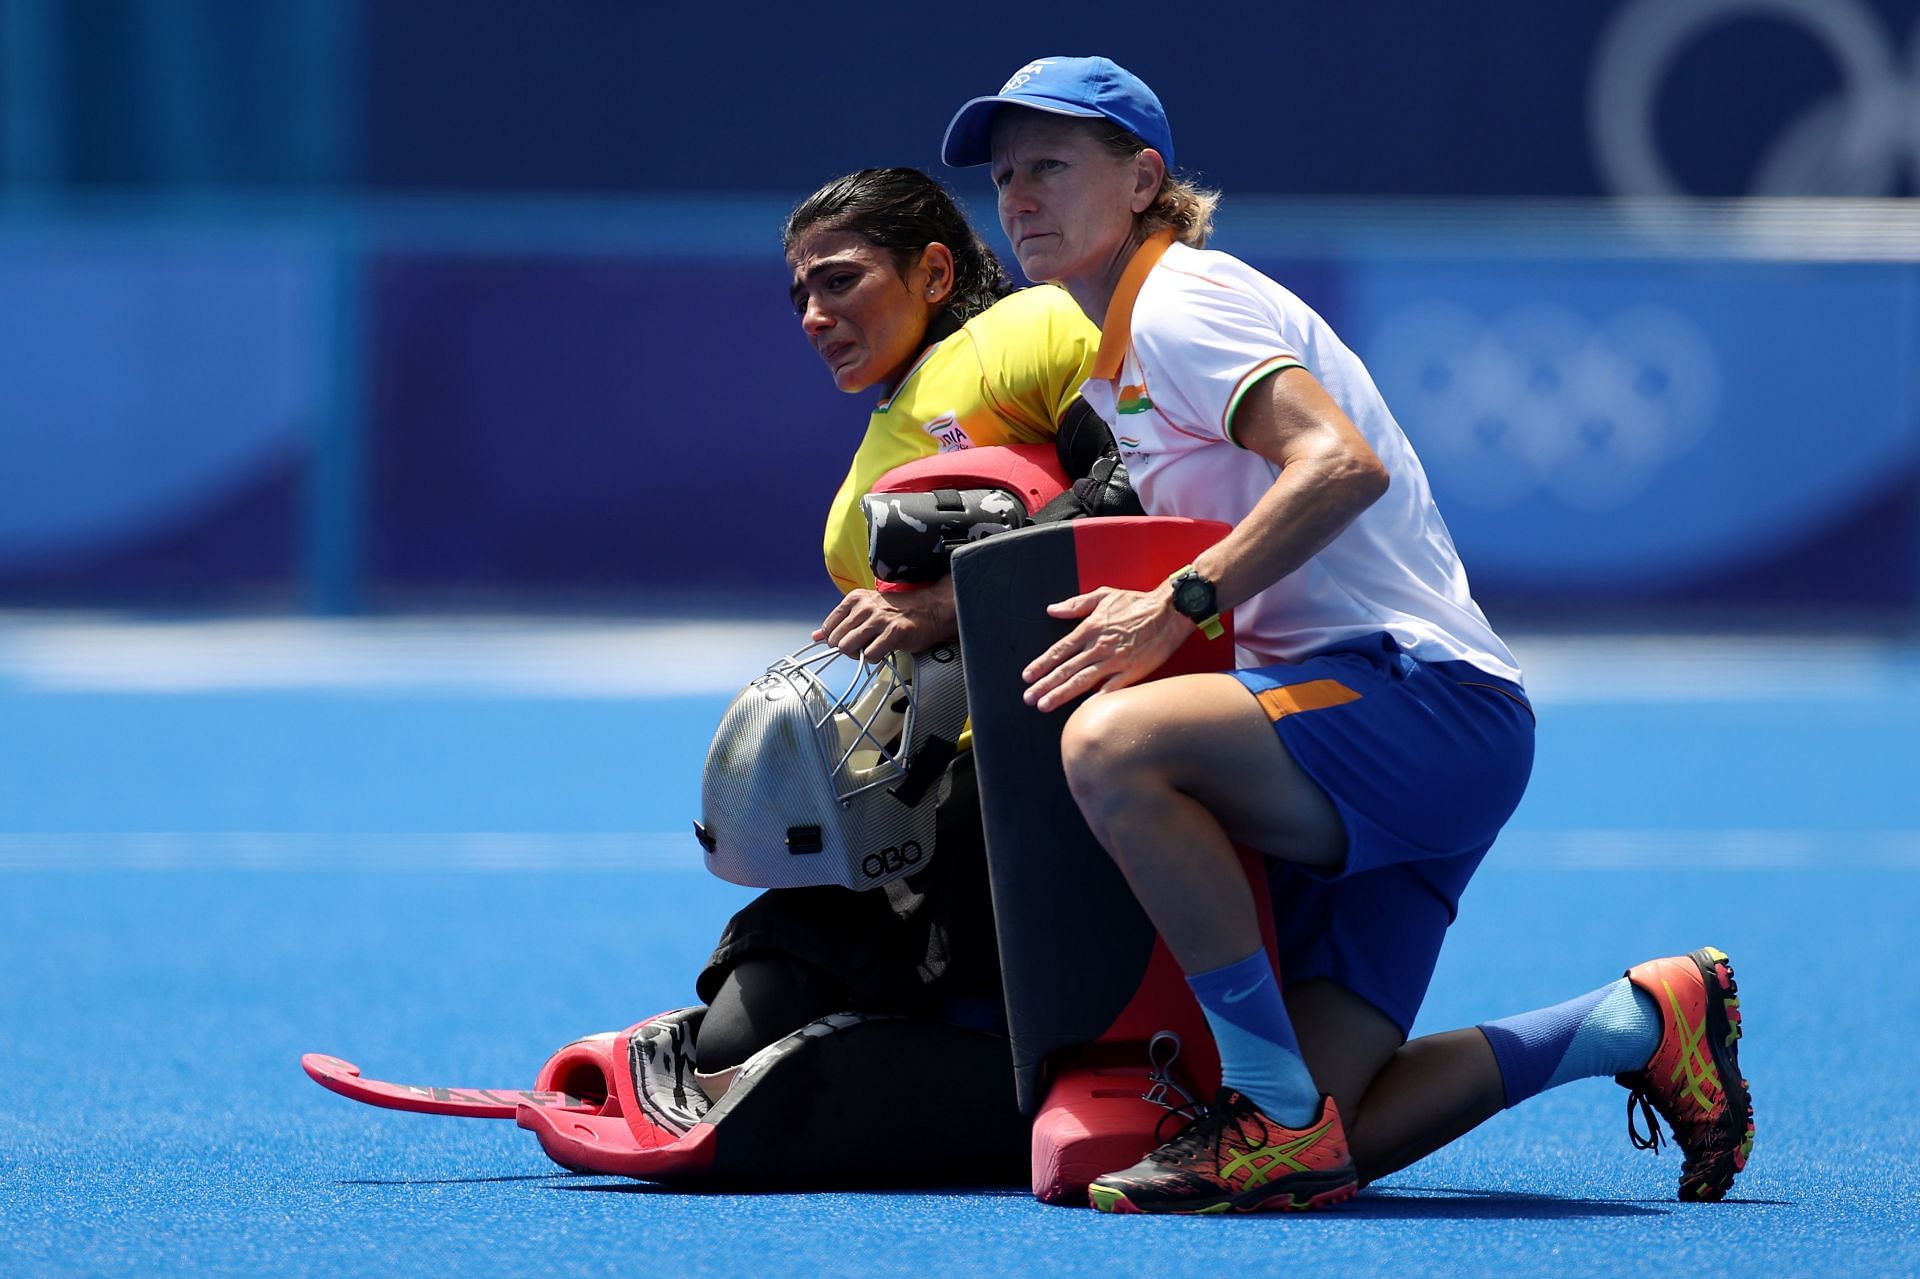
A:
{"x":1194,"y":597}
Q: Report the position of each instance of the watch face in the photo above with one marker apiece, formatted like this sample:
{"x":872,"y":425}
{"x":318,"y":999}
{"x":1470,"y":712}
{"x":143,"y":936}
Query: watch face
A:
{"x":1194,"y":597}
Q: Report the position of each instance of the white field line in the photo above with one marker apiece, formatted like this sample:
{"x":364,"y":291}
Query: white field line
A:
{"x":485,"y":656}
{"x":1760,"y":849}
{"x":480,"y":656}
{"x":654,"y":852}
{"x":1638,"y":669}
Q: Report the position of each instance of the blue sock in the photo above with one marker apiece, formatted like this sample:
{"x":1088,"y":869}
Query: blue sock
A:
{"x":1605,"y":1032}
{"x":1259,"y":1057}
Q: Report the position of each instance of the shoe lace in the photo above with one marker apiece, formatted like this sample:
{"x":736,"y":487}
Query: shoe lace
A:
{"x":1162,"y":1051}
{"x":1640,"y":1097}
{"x":1205,"y":1133}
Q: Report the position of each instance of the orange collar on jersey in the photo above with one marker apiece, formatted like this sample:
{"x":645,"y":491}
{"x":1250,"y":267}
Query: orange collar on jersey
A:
{"x":1117,"y":331}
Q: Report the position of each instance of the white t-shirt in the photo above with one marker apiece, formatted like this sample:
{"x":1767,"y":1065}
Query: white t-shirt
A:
{"x":1187,"y":334}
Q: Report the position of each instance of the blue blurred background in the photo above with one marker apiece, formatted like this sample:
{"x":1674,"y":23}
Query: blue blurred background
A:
{"x":340,"y":307}
{"x":381,"y":386}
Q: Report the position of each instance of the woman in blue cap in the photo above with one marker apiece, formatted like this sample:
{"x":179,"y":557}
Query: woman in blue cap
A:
{"x":1374,"y":742}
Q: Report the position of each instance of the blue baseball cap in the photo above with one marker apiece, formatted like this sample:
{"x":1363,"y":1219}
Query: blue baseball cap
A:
{"x":1091,"y":88}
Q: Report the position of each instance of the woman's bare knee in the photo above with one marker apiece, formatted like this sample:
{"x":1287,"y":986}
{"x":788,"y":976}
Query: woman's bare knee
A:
{"x":1085,"y":740}
{"x":1202,"y":737}
{"x":1100,"y":750}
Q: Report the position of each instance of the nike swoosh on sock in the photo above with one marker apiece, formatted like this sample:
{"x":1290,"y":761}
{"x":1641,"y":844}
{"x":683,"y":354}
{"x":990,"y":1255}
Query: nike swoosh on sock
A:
{"x":1235,"y":996}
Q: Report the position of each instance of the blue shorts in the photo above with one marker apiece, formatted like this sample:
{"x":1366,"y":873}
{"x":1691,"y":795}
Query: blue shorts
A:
{"x":1425,"y":761}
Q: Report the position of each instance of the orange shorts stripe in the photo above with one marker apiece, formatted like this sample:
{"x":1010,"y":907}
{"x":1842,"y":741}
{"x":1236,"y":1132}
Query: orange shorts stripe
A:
{"x":1313,"y":695}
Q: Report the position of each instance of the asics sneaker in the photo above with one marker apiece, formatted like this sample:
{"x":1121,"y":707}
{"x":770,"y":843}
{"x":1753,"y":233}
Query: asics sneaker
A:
{"x":1693,"y":1080}
{"x":1235,"y":1159}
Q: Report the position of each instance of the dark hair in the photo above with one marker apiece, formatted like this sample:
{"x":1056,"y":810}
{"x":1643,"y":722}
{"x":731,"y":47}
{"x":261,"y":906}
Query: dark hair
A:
{"x":903,"y":211}
{"x":1182,"y":207}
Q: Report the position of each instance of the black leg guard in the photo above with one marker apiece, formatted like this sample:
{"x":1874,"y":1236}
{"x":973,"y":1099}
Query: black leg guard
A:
{"x":853,"y":1101}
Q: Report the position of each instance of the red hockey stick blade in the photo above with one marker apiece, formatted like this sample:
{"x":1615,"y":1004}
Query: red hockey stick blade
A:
{"x":344,"y":1078}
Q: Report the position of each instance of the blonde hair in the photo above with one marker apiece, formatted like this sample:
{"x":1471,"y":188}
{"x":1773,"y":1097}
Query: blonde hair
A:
{"x":1182,"y":207}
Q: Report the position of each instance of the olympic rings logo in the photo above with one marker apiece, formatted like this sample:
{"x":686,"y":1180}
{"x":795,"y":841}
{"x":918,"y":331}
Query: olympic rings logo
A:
{"x":1540,"y":399}
{"x":1853,"y":143}
{"x":1018,"y":79}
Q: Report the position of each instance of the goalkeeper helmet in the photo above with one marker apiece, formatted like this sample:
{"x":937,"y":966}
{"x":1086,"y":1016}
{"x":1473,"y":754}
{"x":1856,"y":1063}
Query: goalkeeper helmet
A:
{"x":825,"y":769}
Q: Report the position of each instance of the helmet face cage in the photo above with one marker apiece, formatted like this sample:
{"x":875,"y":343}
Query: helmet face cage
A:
{"x":824,"y":770}
{"x":863,"y":730}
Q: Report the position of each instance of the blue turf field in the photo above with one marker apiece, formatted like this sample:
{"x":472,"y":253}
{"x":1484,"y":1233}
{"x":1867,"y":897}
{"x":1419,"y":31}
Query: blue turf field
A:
{"x":442,"y":851}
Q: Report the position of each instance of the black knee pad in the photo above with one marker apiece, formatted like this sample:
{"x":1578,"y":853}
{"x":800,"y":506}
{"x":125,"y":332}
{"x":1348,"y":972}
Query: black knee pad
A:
{"x":762,"y":999}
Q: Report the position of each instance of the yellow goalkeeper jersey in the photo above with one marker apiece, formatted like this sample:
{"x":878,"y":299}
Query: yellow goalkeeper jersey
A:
{"x":1005,"y":377}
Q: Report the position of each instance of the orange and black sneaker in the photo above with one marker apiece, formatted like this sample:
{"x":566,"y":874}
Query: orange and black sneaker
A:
{"x":1694,"y":1078}
{"x":1235,"y":1159}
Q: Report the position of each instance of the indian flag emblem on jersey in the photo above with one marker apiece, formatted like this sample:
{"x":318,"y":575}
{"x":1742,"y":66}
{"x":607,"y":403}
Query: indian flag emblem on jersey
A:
{"x":1133,"y":399}
{"x":948,"y":434}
